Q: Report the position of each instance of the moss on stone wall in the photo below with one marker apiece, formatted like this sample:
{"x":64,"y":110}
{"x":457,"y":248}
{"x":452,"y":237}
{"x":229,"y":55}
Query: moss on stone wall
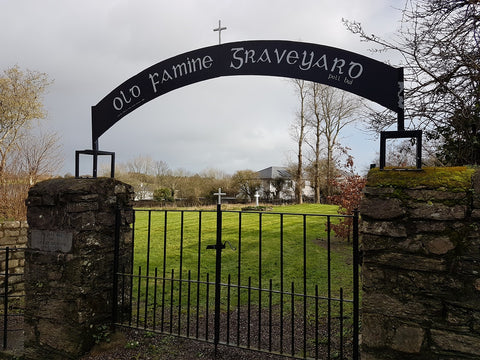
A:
{"x":421,"y":264}
{"x":447,"y":178}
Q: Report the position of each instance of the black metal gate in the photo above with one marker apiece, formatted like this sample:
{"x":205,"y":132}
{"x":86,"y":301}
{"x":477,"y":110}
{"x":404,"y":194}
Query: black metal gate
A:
{"x":267,"y":281}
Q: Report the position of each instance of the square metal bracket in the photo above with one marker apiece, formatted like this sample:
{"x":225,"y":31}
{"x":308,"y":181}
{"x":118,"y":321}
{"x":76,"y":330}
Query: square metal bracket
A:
{"x":95,"y":154}
{"x":384,"y":135}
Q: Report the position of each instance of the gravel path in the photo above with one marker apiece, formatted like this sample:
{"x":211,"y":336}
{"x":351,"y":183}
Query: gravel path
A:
{"x":134,"y":344}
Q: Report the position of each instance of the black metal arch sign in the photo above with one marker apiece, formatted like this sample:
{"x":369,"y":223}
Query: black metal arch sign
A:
{"x":342,"y":69}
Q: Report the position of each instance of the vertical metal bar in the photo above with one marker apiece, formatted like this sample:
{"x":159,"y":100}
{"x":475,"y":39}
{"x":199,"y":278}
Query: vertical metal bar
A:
{"x":149,"y":232}
{"x":199,"y":252}
{"x":259,"y":280}
{"x":132,"y":271}
{"x":281,"y":284}
{"x":112,"y":165}
{"x":356,"y":305}
{"x":5,"y":300}
{"x":228,"y":308}
{"x":155,"y":289}
{"x":401,"y":97}
{"x":147,"y":273}
{"x":419,"y":150}
{"x":383,"y":149}
{"x":116,"y":255}
{"x":270,"y":300}
{"x":207,"y":307}
{"x":180,"y":272}
{"x":138,"y":294}
{"x":316,"y":321}
{"x":329,"y":290}
{"x":189,"y":288}
{"x":95,"y":157}
{"x":122,"y":313}
{"x":172,"y":285}
{"x":248,"y":309}
{"x":304,"y":285}
{"x":239,"y":267}
{"x":95,"y":162}
{"x":341,"y":324}
{"x":218,"y":274}
{"x":77,"y":165}
{"x":164,"y":263}
{"x":293,"y":320}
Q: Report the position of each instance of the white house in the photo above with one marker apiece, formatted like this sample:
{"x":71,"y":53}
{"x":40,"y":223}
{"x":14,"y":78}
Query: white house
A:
{"x":278,"y":184}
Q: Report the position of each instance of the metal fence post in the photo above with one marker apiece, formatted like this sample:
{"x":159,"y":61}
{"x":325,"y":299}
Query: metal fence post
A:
{"x":356,"y":305}
{"x":5,"y":300}
{"x":218,"y":274}
{"x":116,"y":256}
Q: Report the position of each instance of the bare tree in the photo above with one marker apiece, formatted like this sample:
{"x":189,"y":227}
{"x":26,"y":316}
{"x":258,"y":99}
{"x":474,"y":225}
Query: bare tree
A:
{"x":298,"y":134}
{"x":21,"y":95}
{"x":142,"y":164}
{"x":315,"y":122}
{"x":161,"y":168}
{"x":38,"y":155}
{"x":439,"y":42}
{"x":330,"y":110}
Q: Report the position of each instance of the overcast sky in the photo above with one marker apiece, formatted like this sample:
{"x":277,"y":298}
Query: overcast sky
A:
{"x":89,"y":47}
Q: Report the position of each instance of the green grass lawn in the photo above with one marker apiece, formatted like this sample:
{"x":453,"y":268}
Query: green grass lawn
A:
{"x":267,"y":255}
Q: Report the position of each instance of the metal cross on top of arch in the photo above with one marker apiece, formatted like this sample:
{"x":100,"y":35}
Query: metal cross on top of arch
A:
{"x":349,"y":71}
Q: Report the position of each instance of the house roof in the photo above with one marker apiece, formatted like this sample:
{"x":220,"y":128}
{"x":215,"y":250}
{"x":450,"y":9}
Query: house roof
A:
{"x":274,"y":172}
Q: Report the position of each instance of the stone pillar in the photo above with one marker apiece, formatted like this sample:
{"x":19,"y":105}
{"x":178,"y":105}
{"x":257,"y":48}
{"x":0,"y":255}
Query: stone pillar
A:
{"x":70,"y":262}
{"x":421,"y":265}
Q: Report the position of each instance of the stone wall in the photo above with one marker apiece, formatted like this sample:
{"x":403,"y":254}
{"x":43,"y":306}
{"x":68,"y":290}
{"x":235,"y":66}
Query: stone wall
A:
{"x":421,"y":265}
{"x":69,"y":279}
{"x":13,"y":234}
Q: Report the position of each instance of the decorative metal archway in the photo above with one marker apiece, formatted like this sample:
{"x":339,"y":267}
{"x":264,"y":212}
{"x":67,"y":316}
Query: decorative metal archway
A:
{"x":355,"y":73}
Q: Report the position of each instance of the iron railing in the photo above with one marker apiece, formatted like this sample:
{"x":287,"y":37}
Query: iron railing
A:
{"x":282,"y":284}
{"x":12,"y":294}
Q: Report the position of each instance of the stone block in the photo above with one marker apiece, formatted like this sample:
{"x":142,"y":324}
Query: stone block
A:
{"x":387,"y":305}
{"x":33,"y":200}
{"x":451,"y":341}
{"x":383,"y":228}
{"x":12,"y":232}
{"x":439,"y":245}
{"x":469,"y":266}
{"x":378,"y":191}
{"x":84,"y":198}
{"x":382,"y":209}
{"x":368,"y":356}
{"x":48,"y":200}
{"x":436,"y":211}
{"x":423,"y":226}
{"x":373,"y":277}
{"x":82,"y":220}
{"x":476,"y":284}
{"x":426,"y":195}
{"x":476,"y":213}
{"x":82,"y":207}
{"x":408,"y":339}
{"x":411,"y":262}
{"x":375,"y":242}
{"x":12,"y":225}
{"x":374,"y":330}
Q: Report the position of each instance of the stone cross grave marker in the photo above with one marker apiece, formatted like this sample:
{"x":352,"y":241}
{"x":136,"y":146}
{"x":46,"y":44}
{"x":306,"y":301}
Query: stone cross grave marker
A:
{"x":219,"y":194}
{"x":256,"y":198}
